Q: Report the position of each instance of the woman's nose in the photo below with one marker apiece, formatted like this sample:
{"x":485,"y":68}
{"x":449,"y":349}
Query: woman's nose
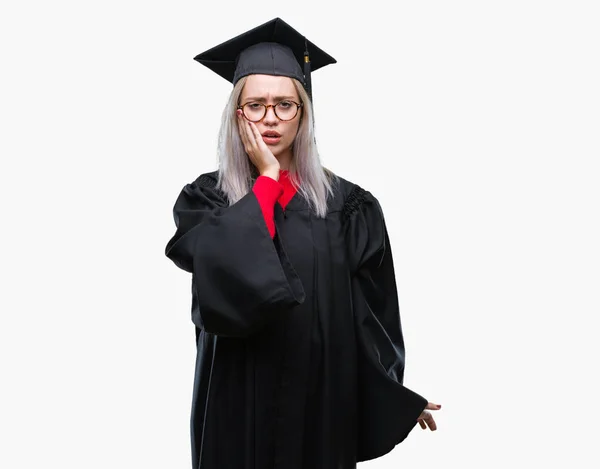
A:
{"x":270,"y":115}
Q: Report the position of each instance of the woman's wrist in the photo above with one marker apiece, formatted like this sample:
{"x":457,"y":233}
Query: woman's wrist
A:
{"x":272,"y":172}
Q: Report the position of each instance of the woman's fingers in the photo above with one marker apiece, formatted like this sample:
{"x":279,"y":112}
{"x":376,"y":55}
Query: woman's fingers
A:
{"x":426,"y":419}
{"x":431,"y":423}
{"x":263,"y":152}
{"x":432,"y":406}
{"x":256,"y":135}
{"x":250,"y":135}
{"x":243,"y":131}
{"x":252,"y":131}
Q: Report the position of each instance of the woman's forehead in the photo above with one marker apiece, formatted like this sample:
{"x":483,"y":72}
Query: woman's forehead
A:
{"x":266,"y":86}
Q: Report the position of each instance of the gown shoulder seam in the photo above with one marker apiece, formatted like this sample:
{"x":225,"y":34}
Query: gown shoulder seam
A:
{"x":206,"y":180}
{"x":209,"y":181}
{"x":354,"y":200}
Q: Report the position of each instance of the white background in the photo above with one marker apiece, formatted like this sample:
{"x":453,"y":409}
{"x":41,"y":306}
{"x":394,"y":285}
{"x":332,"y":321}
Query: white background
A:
{"x":475,"y":123}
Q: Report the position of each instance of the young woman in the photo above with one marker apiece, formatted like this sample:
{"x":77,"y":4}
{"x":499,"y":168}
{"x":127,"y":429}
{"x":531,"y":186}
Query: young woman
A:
{"x":300,"y":354}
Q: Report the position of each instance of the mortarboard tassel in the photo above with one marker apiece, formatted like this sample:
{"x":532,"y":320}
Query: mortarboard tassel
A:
{"x":307,"y":81}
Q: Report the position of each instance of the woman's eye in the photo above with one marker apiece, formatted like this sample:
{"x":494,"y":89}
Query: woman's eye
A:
{"x":285,"y":104}
{"x":253,"y":105}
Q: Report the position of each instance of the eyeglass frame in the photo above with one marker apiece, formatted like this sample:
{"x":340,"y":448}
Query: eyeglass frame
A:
{"x":267,"y":106}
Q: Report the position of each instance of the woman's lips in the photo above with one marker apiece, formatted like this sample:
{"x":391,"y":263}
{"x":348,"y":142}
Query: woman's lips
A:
{"x":271,"y":140}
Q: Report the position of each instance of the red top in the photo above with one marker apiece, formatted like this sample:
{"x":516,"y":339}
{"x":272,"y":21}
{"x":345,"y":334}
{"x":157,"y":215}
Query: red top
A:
{"x":268,"y":191}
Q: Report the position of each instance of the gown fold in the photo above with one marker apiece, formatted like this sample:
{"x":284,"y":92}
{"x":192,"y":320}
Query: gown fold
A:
{"x":241,"y":277}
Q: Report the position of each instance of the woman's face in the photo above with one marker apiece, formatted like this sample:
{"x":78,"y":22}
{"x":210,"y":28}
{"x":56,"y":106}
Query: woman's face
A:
{"x":269,"y":89}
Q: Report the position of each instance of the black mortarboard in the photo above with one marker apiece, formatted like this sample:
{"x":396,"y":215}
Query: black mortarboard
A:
{"x":273,"y":48}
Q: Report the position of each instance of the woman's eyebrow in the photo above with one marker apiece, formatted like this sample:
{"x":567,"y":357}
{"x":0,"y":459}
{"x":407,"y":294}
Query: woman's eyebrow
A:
{"x":276,"y":98}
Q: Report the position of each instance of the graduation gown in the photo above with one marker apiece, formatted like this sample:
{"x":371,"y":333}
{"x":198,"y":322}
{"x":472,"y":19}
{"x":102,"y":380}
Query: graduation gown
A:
{"x":300,"y":354}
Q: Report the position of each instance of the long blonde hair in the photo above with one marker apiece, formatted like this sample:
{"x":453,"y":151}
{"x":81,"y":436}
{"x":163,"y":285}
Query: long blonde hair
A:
{"x":236,"y":171}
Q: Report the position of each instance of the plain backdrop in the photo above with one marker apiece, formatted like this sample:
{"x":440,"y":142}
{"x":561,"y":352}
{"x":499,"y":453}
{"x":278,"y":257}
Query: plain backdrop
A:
{"x":476,"y":125}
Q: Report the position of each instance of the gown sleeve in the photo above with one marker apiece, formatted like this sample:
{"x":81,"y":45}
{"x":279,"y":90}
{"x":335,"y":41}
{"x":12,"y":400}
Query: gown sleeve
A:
{"x":388,"y":410}
{"x":241,"y":277}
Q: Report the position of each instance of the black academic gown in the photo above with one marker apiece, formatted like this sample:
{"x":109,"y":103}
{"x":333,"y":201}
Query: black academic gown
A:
{"x":300,"y":355}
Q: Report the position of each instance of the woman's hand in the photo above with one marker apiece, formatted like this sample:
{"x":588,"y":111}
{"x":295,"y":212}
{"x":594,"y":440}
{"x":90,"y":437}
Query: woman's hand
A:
{"x":426,"y":419}
{"x":257,"y":150}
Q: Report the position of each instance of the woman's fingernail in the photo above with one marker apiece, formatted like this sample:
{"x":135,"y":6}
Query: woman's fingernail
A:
{"x":238,"y":112}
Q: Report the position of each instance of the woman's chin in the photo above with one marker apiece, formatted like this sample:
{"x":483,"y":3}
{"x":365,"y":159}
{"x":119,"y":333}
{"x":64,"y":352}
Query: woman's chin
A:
{"x":277,"y":149}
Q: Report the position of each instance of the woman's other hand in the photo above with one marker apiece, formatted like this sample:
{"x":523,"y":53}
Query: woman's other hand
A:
{"x":426,"y":419}
{"x":257,"y":150}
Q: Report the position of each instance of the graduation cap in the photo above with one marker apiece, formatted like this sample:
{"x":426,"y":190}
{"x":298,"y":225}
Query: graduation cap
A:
{"x":273,"y":48}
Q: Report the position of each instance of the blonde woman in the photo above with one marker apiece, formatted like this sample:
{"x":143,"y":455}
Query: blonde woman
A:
{"x":300,"y":353}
